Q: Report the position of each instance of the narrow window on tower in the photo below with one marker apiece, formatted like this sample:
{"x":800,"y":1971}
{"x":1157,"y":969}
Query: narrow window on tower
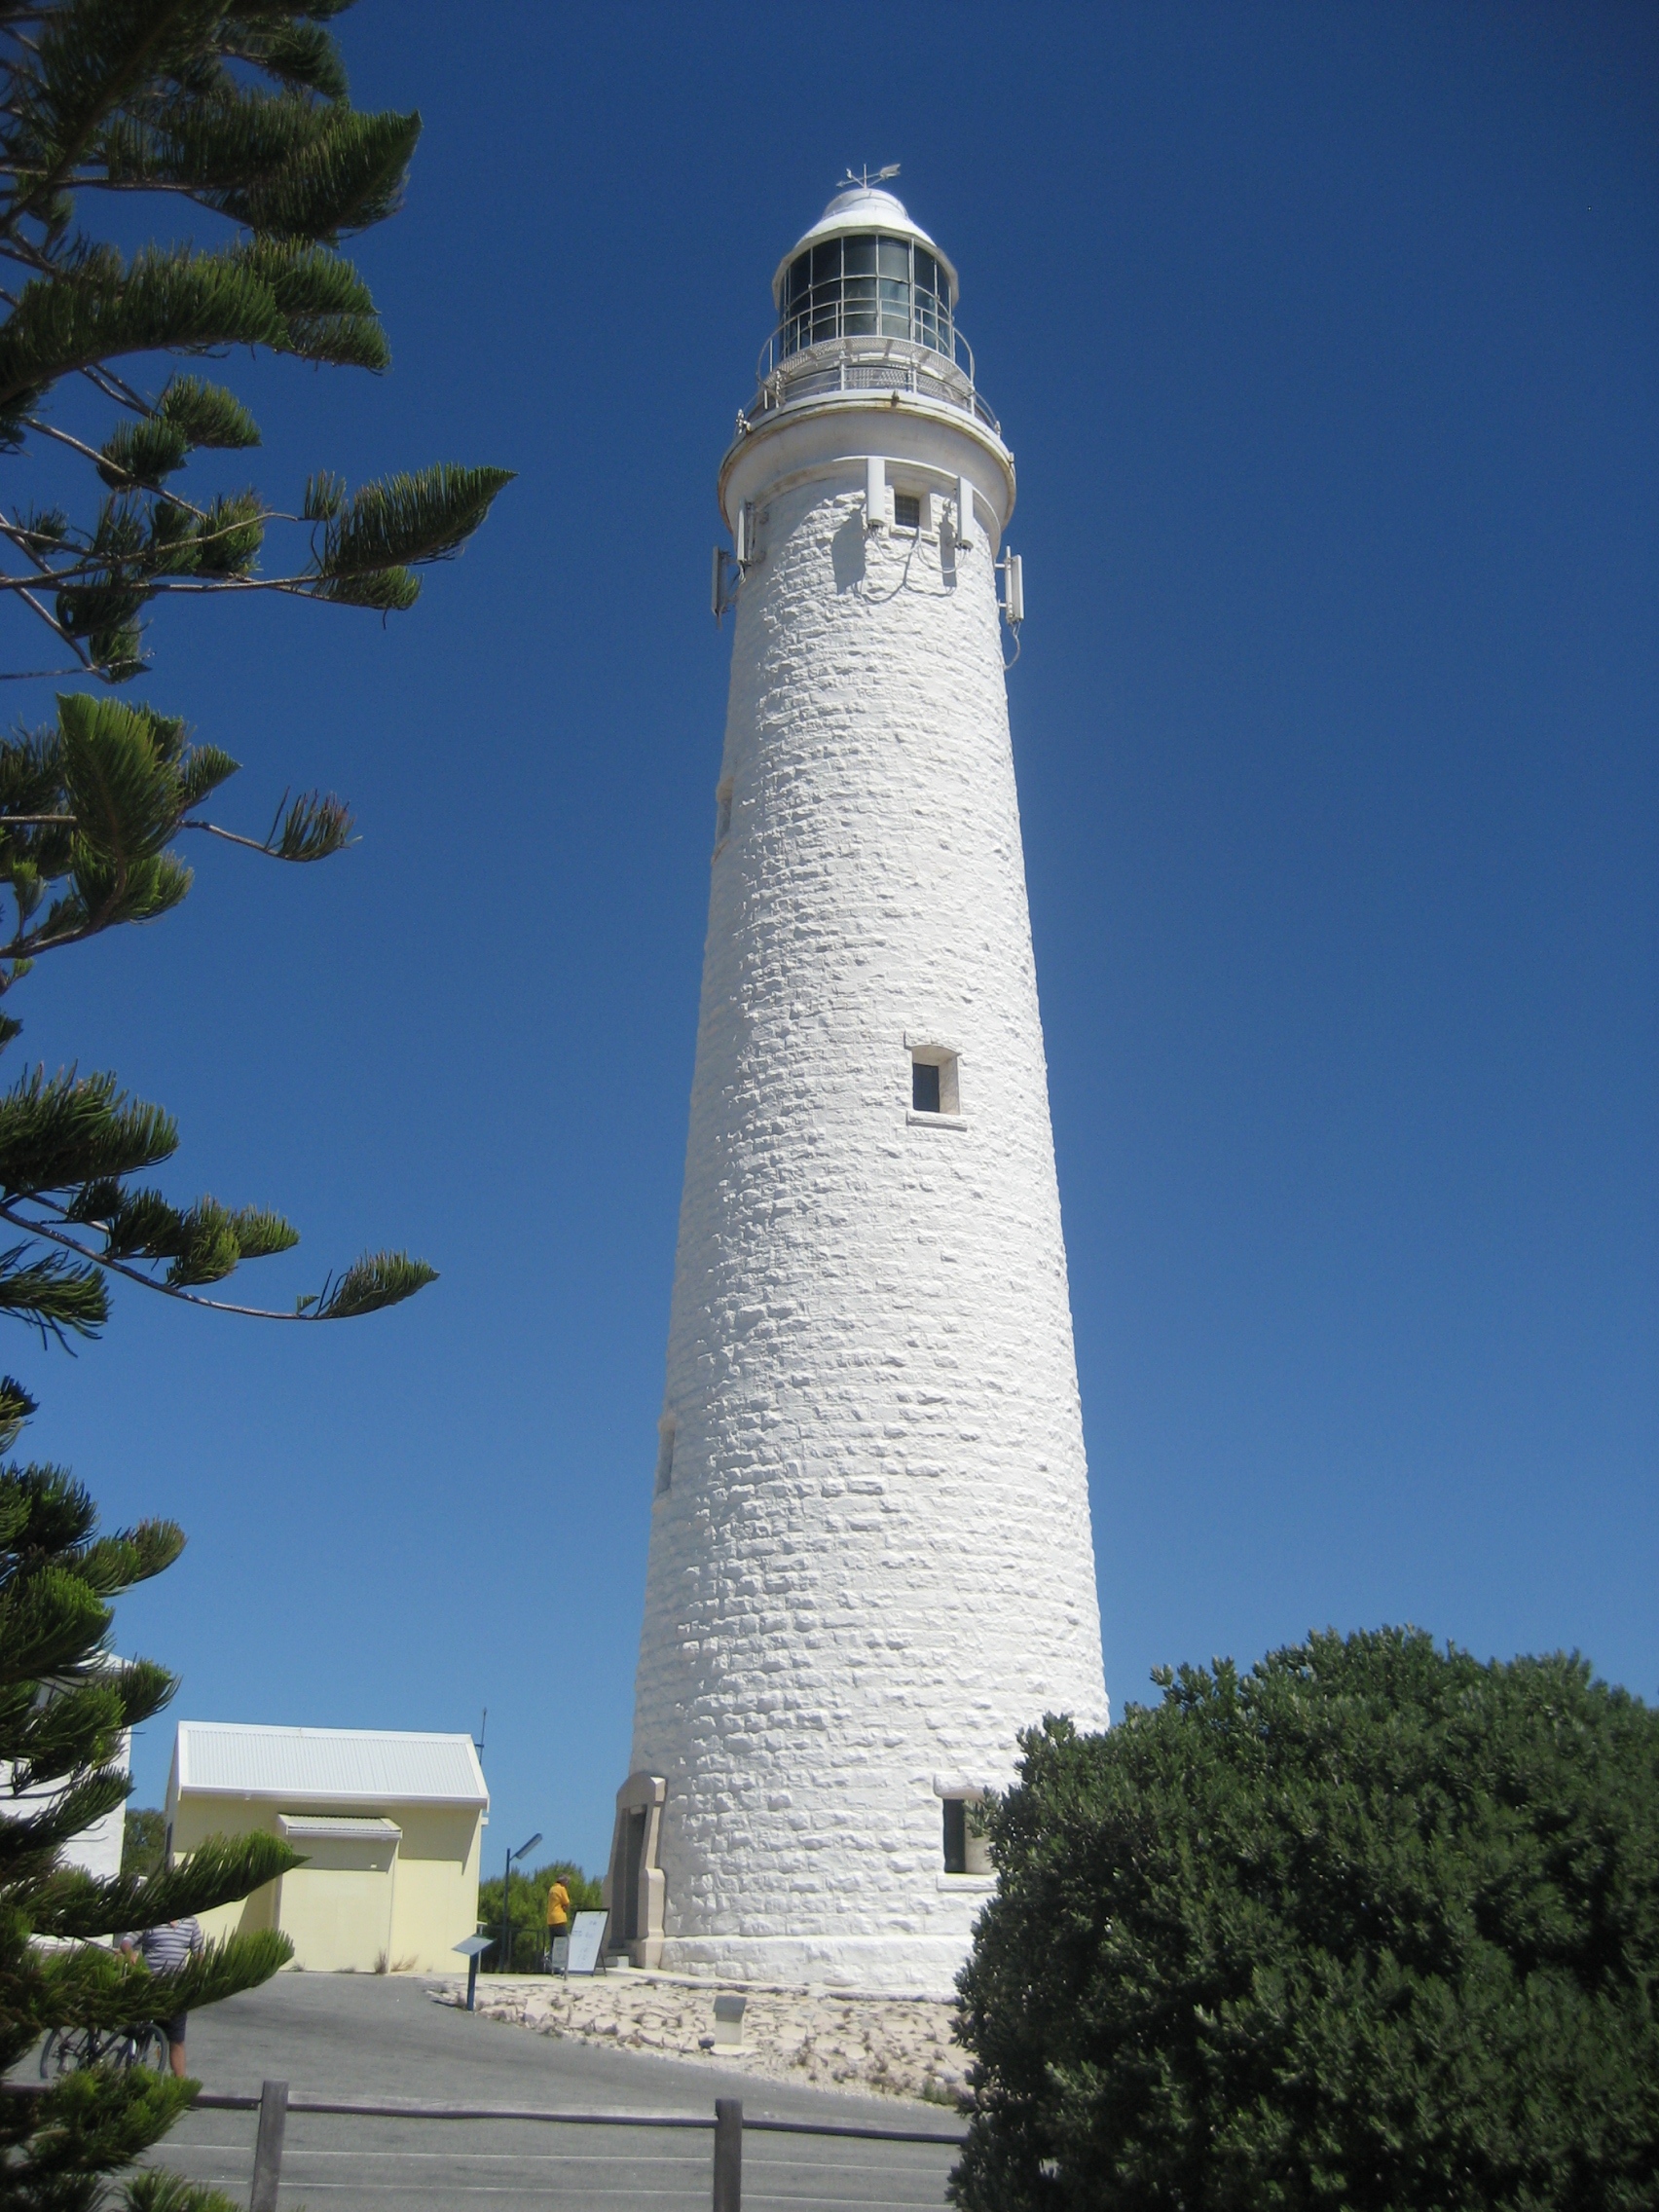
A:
{"x":955,"y":1835}
{"x":722,"y":814}
{"x":966,"y":1848}
{"x":933,"y":1085}
{"x":907,"y":510}
{"x":664,"y":1456}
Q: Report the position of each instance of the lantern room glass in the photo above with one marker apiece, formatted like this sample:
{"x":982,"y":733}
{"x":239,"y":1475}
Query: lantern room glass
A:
{"x":866,"y":288}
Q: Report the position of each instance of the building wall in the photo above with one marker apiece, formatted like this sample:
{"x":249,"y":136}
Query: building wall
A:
{"x":337,"y":1909}
{"x":873,"y":1563}
{"x":97,"y":1849}
{"x":347,"y":1905}
{"x":437,"y":1899}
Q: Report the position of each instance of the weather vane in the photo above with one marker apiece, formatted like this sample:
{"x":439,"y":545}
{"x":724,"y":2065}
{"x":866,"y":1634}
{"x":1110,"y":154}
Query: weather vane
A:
{"x":864,"y":179}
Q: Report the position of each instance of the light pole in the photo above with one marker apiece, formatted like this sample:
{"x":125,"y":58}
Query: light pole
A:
{"x":513,"y":1858}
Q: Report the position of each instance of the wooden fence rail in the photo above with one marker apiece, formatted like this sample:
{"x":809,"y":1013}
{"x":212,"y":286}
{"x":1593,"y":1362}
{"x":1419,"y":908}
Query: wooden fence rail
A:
{"x":274,"y":2104}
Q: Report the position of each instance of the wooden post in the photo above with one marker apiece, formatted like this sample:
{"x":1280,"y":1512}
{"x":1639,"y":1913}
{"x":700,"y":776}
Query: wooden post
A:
{"x":267,"y":2148}
{"x":728,"y":2155}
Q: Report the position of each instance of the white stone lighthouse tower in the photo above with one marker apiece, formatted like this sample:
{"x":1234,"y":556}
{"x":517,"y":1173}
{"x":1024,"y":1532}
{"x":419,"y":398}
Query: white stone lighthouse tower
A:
{"x":870,"y":1559}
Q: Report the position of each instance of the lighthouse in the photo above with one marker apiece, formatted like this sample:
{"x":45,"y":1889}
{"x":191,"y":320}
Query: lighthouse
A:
{"x":870,"y":1559}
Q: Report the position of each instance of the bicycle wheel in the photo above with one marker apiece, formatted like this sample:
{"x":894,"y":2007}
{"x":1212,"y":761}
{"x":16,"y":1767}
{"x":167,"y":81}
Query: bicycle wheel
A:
{"x":66,"y":2050}
{"x":150,"y":2048}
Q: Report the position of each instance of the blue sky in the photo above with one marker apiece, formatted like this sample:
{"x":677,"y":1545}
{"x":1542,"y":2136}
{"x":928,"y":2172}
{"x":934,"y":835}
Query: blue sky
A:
{"x":1325,"y":339}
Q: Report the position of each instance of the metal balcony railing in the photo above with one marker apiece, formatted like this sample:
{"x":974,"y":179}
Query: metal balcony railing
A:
{"x":851,"y":360}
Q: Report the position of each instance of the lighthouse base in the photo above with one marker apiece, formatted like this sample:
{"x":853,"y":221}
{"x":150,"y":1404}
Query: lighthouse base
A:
{"x":897,"y":1964}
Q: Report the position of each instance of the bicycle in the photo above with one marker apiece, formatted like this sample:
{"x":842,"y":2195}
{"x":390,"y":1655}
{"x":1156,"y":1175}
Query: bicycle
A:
{"x":147,"y":2044}
{"x":67,"y":2051}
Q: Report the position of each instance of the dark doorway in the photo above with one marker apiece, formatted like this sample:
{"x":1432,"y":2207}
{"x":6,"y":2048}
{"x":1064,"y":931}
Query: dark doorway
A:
{"x":633,"y":1859}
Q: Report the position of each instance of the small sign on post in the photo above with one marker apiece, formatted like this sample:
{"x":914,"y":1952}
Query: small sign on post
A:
{"x":470,"y":1948}
{"x":587,"y":1935}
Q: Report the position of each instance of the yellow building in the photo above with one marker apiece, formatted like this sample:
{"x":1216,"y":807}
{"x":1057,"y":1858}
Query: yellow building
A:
{"x":390,"y":1825}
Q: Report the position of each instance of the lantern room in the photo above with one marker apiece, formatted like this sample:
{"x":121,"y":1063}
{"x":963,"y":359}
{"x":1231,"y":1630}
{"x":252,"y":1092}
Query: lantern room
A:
{"x":864,"y":269}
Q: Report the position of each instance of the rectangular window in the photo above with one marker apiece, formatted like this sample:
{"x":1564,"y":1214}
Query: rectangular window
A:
{"x":664,"y":1456}
{"x":857,"y":259}
{"x":955,"y":1835}
{"x":907,"y":510}
{"x":722,"y":814}
{"x":935,"y":1085}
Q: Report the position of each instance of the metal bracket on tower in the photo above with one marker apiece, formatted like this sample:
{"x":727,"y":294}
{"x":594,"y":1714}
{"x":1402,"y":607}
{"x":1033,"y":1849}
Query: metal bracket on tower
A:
{"x":730,"y":568}
{"x":1013,"y":571}
{"x":726,"y":576}
{"x":1013,"y":599}
{"x":964,"y":514}
{"x":875,"y":494}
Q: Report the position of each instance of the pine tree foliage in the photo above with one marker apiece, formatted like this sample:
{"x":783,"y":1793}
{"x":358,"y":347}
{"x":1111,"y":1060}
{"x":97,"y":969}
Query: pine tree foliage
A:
{"x":1371,"y":1927}
{"x":89,"y":808}
{"x":65,"y":1704}
{"x":241,"y":108}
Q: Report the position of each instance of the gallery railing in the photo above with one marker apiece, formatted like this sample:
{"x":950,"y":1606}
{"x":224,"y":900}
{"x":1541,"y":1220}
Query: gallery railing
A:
{"x":853,"y":361}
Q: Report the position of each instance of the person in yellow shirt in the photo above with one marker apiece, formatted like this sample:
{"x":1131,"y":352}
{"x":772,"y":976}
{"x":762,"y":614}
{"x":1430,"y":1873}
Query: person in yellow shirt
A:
{"x":558,"y":1917}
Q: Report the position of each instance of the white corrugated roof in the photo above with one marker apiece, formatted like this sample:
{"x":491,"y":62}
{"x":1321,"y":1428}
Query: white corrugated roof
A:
{"x":327,"y":1766}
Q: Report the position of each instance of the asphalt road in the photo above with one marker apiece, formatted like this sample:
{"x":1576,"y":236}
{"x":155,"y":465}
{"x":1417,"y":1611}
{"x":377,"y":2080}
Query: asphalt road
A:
{"x":367,"y":2037}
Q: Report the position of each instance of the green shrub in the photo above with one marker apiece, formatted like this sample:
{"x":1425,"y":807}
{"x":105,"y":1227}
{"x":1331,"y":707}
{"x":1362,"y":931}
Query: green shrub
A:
{"x":1372,"y":1927}
{"x":529,"y":1907}
{"x":143,"y":1841}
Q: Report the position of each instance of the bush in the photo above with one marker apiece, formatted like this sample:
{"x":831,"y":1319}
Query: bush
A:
{"x":1373,"y":1926}
{"x":143,"y":1841}
{"x":529,"y":1908}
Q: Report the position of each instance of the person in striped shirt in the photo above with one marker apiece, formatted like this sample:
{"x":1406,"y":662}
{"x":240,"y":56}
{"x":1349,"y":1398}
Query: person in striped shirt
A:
{"x":164,"y":1950}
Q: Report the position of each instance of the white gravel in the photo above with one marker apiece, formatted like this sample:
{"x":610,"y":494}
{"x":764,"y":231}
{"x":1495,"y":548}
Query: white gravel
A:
{"x":820,"y":2038}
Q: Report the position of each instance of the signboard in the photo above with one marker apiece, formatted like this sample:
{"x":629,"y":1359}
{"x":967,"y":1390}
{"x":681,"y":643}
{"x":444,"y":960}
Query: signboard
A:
{"x":588,"y":1938}
{"x":473,"y":1949}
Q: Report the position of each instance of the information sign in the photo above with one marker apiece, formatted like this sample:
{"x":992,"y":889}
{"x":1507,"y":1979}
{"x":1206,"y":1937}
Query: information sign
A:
{"x":588,"y":1938}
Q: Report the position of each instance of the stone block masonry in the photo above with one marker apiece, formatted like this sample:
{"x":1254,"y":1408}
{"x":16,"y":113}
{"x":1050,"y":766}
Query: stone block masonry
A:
{"x":870,"y":1559}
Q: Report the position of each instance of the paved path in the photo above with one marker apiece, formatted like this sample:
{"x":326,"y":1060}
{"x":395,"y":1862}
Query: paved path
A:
{"x":363,"y":2037}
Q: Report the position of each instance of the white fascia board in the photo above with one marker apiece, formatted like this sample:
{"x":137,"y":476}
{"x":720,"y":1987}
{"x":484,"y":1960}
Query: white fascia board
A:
{"x":324,"y":1798}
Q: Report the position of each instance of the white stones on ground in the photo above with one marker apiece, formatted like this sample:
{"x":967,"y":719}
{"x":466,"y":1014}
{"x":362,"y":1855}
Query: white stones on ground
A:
{"x":898,"y":2045}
